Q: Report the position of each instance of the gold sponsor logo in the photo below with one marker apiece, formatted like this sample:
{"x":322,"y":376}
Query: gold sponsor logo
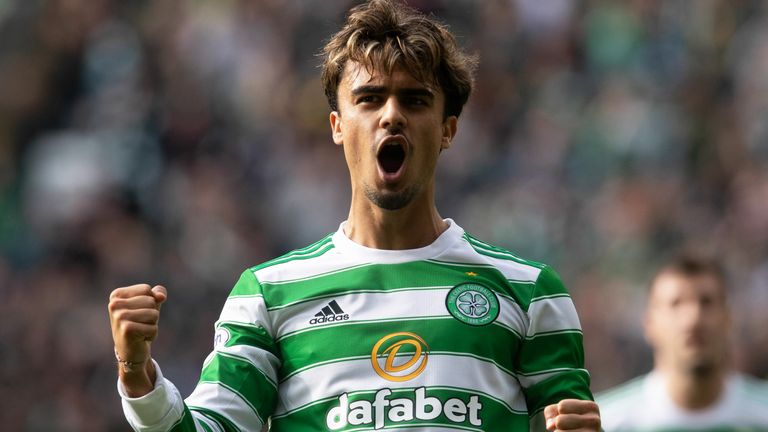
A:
{"x":409,"y":365}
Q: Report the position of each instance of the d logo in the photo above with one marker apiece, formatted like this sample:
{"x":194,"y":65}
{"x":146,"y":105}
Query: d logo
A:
{"x":392,"y":343}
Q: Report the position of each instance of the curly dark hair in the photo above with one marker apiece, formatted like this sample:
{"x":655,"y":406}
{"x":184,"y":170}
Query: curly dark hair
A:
{"x":384,"y":34}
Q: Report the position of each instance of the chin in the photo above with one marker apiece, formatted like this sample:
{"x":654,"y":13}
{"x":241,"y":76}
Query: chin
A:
{"x":391,"y":200}
{"x":702,"y":367}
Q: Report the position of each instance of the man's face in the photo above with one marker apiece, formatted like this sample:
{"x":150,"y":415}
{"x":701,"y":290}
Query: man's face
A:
{"x":392,"y":130}
{"x":688,"y":322}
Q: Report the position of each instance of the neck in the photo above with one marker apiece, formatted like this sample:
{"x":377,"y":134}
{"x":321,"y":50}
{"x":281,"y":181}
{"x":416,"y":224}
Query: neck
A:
{"x":695,"y":391}
{"x":416,"y":225}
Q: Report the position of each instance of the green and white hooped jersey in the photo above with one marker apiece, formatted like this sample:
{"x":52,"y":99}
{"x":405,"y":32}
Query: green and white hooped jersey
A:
{"x":457,"y":335}
{"x":643,"y":405}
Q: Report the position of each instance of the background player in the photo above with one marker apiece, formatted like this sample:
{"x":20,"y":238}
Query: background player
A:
{"x":691,"y":387}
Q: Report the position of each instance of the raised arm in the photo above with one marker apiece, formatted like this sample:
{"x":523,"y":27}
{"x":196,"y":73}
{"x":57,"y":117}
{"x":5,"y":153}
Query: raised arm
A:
{"x":134,"y":313}
{"x":238,"y":384}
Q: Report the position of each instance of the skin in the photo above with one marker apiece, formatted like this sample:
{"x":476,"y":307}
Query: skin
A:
{"x":134,"y":313}
{"x":386,"y":211}
{"x":572,"y":415}
{"x":687,"y":324}
{"x":375,"y":107}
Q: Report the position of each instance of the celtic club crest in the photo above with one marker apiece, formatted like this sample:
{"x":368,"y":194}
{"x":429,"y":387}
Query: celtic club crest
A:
{"x":473,"y":304}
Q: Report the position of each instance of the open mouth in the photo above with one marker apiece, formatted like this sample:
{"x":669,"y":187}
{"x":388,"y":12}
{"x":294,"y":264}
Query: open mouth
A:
{"x":391,"y":157}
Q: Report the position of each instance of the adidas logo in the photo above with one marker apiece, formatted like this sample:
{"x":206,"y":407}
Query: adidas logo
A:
{"x":330,"y":313}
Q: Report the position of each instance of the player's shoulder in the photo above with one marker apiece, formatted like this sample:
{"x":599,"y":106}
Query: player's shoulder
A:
{"x":619,"y":405}
{"x":751,"y":388}
{"x":514,"y":266}
{"x":296,"y":256}
{"x":621,"y":396}
{"x":499,"y":253}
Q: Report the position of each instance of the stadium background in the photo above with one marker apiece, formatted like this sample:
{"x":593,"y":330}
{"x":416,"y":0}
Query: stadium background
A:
{"x":180,"y":141}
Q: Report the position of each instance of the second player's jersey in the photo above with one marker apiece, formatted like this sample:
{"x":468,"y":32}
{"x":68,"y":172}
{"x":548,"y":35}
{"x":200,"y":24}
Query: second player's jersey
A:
{"x":644,"y":405}
{"x":458,"y":335}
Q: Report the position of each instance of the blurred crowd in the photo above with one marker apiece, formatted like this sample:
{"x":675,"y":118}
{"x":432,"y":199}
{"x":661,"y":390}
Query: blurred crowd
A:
{"x":180,"y":142}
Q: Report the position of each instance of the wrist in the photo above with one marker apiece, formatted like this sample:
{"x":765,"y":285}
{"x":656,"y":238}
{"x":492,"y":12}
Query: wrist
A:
{"x":130,"y":366}
{"x":138,"y":377}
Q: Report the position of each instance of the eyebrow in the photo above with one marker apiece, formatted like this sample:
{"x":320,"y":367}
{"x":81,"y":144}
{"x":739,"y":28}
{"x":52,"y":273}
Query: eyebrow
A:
{"x":409,"y":91}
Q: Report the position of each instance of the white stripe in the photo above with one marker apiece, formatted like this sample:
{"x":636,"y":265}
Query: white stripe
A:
{"x":319,"y":275}
{"x":515,"y":271}
{"x":512,"y":316}
{"x":330,"y":261}
{"x":248,"y":310}
{"x":411,"y":304}
{"x":552,"y":314}
{"x":225,"y":402}
{"x":333,"y":379}
{"x":200,"y":418}
{"x":263,"y":360}
{"x":511,"y":270}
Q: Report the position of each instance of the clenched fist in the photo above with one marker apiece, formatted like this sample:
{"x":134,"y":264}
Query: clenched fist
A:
{"x":134,"y":313}
{"x":573,"y":415}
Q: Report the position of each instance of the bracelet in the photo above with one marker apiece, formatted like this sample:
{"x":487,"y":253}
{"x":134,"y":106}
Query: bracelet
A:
{"x":129,"y":366}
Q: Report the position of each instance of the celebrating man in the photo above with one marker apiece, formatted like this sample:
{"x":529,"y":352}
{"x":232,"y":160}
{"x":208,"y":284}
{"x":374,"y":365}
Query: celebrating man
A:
{"x":398,"y":319}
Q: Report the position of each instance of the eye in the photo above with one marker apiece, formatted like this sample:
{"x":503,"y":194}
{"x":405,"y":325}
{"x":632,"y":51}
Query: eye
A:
{"x":416,"y":101}
{"x":368,"y":99}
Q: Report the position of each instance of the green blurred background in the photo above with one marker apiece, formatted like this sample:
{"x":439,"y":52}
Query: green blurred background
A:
{"x":181,"y":141}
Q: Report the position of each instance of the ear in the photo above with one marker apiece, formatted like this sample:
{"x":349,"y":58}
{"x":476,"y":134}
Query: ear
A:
{"x":338,"y":135}
{"x":450,"y":126}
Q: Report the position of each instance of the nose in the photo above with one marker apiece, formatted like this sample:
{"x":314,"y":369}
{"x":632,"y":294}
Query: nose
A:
{"x":692,"y":314}
{"x":392,"y":116}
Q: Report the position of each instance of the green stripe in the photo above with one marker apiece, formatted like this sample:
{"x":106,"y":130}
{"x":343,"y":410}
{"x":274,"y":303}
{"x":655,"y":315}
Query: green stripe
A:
{"x":245,"y":380}
{"x":287,"y":257}
{"x":224,"y":356}
{"x":550,"y":296}
{"x":222,"y":422}
{"x":250,"y":335}
{"x":549,"y":285}
{"x":495,"y":415}
{"x":572,"y":384}
{"x":246,"y":286}
{"x":186,"y":422}
{"x":550,"y":351}
{"x":322,"y":345}
{"x":388,"y":278}
{"x":554,"y":332}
